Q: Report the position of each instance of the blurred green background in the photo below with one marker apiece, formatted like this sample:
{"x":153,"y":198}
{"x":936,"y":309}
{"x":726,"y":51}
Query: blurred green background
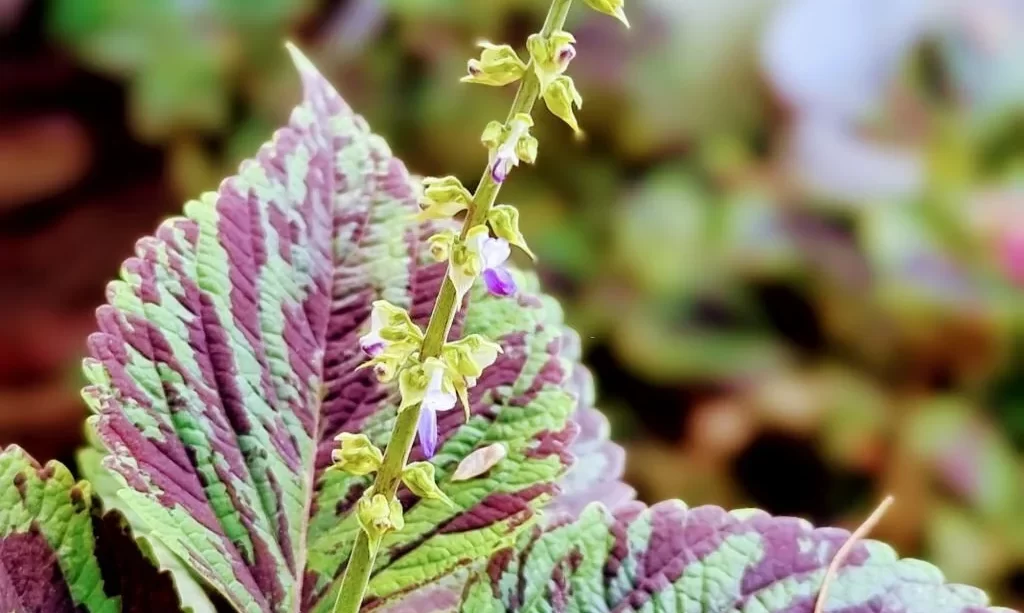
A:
{"x":792,"y":240}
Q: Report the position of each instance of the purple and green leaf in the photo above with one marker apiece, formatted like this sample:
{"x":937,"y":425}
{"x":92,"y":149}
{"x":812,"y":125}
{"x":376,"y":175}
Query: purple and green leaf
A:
{"x":672,"y":558}
{"x":60,"y":553}
{"x":226,"y":365}
{"x":48,"y":557}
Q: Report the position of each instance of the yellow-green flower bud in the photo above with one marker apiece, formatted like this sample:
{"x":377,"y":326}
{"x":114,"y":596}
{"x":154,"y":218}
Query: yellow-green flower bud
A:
{"x":419,"y":478}
{"x":610,"y":7}
{"x":377,"y":515}
{"x":504,"y":221}
{"x":494,"y":135}
{"x":551,"y":56}
{"x":526,"y":148}
{"x":443,"y":198}
{"x":560,"y":97}
{"x":385,"y":366}
{"x":440,"y":245}
{"x":412,"y":384}
{"x":498,"y":65}
{"x":357,"y":455}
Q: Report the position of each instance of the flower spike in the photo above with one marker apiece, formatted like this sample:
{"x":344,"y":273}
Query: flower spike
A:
{"x":433,"y":375}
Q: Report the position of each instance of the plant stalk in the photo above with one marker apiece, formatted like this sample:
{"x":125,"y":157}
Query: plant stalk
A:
{"x":364,"y":553}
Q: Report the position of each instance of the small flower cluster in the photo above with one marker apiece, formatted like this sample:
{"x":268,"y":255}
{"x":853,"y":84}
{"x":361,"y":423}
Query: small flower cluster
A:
{"x":434,"y":383}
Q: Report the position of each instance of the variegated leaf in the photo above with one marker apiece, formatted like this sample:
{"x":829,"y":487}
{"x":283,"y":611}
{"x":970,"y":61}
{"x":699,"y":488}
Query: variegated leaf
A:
{"x":58,"y":555}
{"x":226,"y":364}
{"x":669,"y":558}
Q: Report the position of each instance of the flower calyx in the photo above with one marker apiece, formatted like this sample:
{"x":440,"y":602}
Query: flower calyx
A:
{"x":419,"y":478}
{"x":443,"y":198}
{"x":440,"y":245}
{"x":467,"y":358}
{"x":391,"y":331}
{"x":377,"y":515}
{"x":481,"y":255}
{"x":499,"y":65}
{"x":428,"y":384}
{"x":508,"y":145}
{"x":470,"y":355}
{"x":550,"y":56}
{"x":610,"y":7}
{"x":356,"y":455}
{"x":504,"y":222}
{"x":560,"y":97}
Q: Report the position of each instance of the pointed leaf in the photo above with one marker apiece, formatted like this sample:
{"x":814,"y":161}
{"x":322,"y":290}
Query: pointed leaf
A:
{"x":225,"y":367}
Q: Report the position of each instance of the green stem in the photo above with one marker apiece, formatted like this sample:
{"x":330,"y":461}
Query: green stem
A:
{"x":364,"y":553}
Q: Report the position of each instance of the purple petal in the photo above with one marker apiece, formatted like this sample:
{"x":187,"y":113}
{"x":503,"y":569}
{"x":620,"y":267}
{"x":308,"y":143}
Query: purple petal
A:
{"x":426,"y":429}
{"x":371,"y":347}
{"x":494,"y":252}
{"x":501,"y":167}
{"x":566,"y":55}
{"x":499,"y":281}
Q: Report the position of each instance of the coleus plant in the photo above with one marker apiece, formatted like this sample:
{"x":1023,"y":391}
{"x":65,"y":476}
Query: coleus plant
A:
{"x":273,"y":384}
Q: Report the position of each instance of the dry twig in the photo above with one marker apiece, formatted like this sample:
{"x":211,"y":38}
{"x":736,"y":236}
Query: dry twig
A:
{"x":844,"y":551}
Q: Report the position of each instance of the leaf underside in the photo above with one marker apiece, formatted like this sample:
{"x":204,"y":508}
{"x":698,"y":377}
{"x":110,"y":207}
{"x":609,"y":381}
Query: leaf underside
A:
{"x":225,"y":366}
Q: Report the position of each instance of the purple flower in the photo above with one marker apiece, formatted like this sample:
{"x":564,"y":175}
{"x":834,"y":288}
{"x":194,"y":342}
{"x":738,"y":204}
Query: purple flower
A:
{"x":439,"y":396}
{"x":391,"y":332}
{"x":426,"y":429}
{"x":494,"y":253}
{"x":506,"y":156}
{"x":484,"y":256}
{"x":565,"y":55}
{"x":372,"y":345}
{"x":504,"y":160}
